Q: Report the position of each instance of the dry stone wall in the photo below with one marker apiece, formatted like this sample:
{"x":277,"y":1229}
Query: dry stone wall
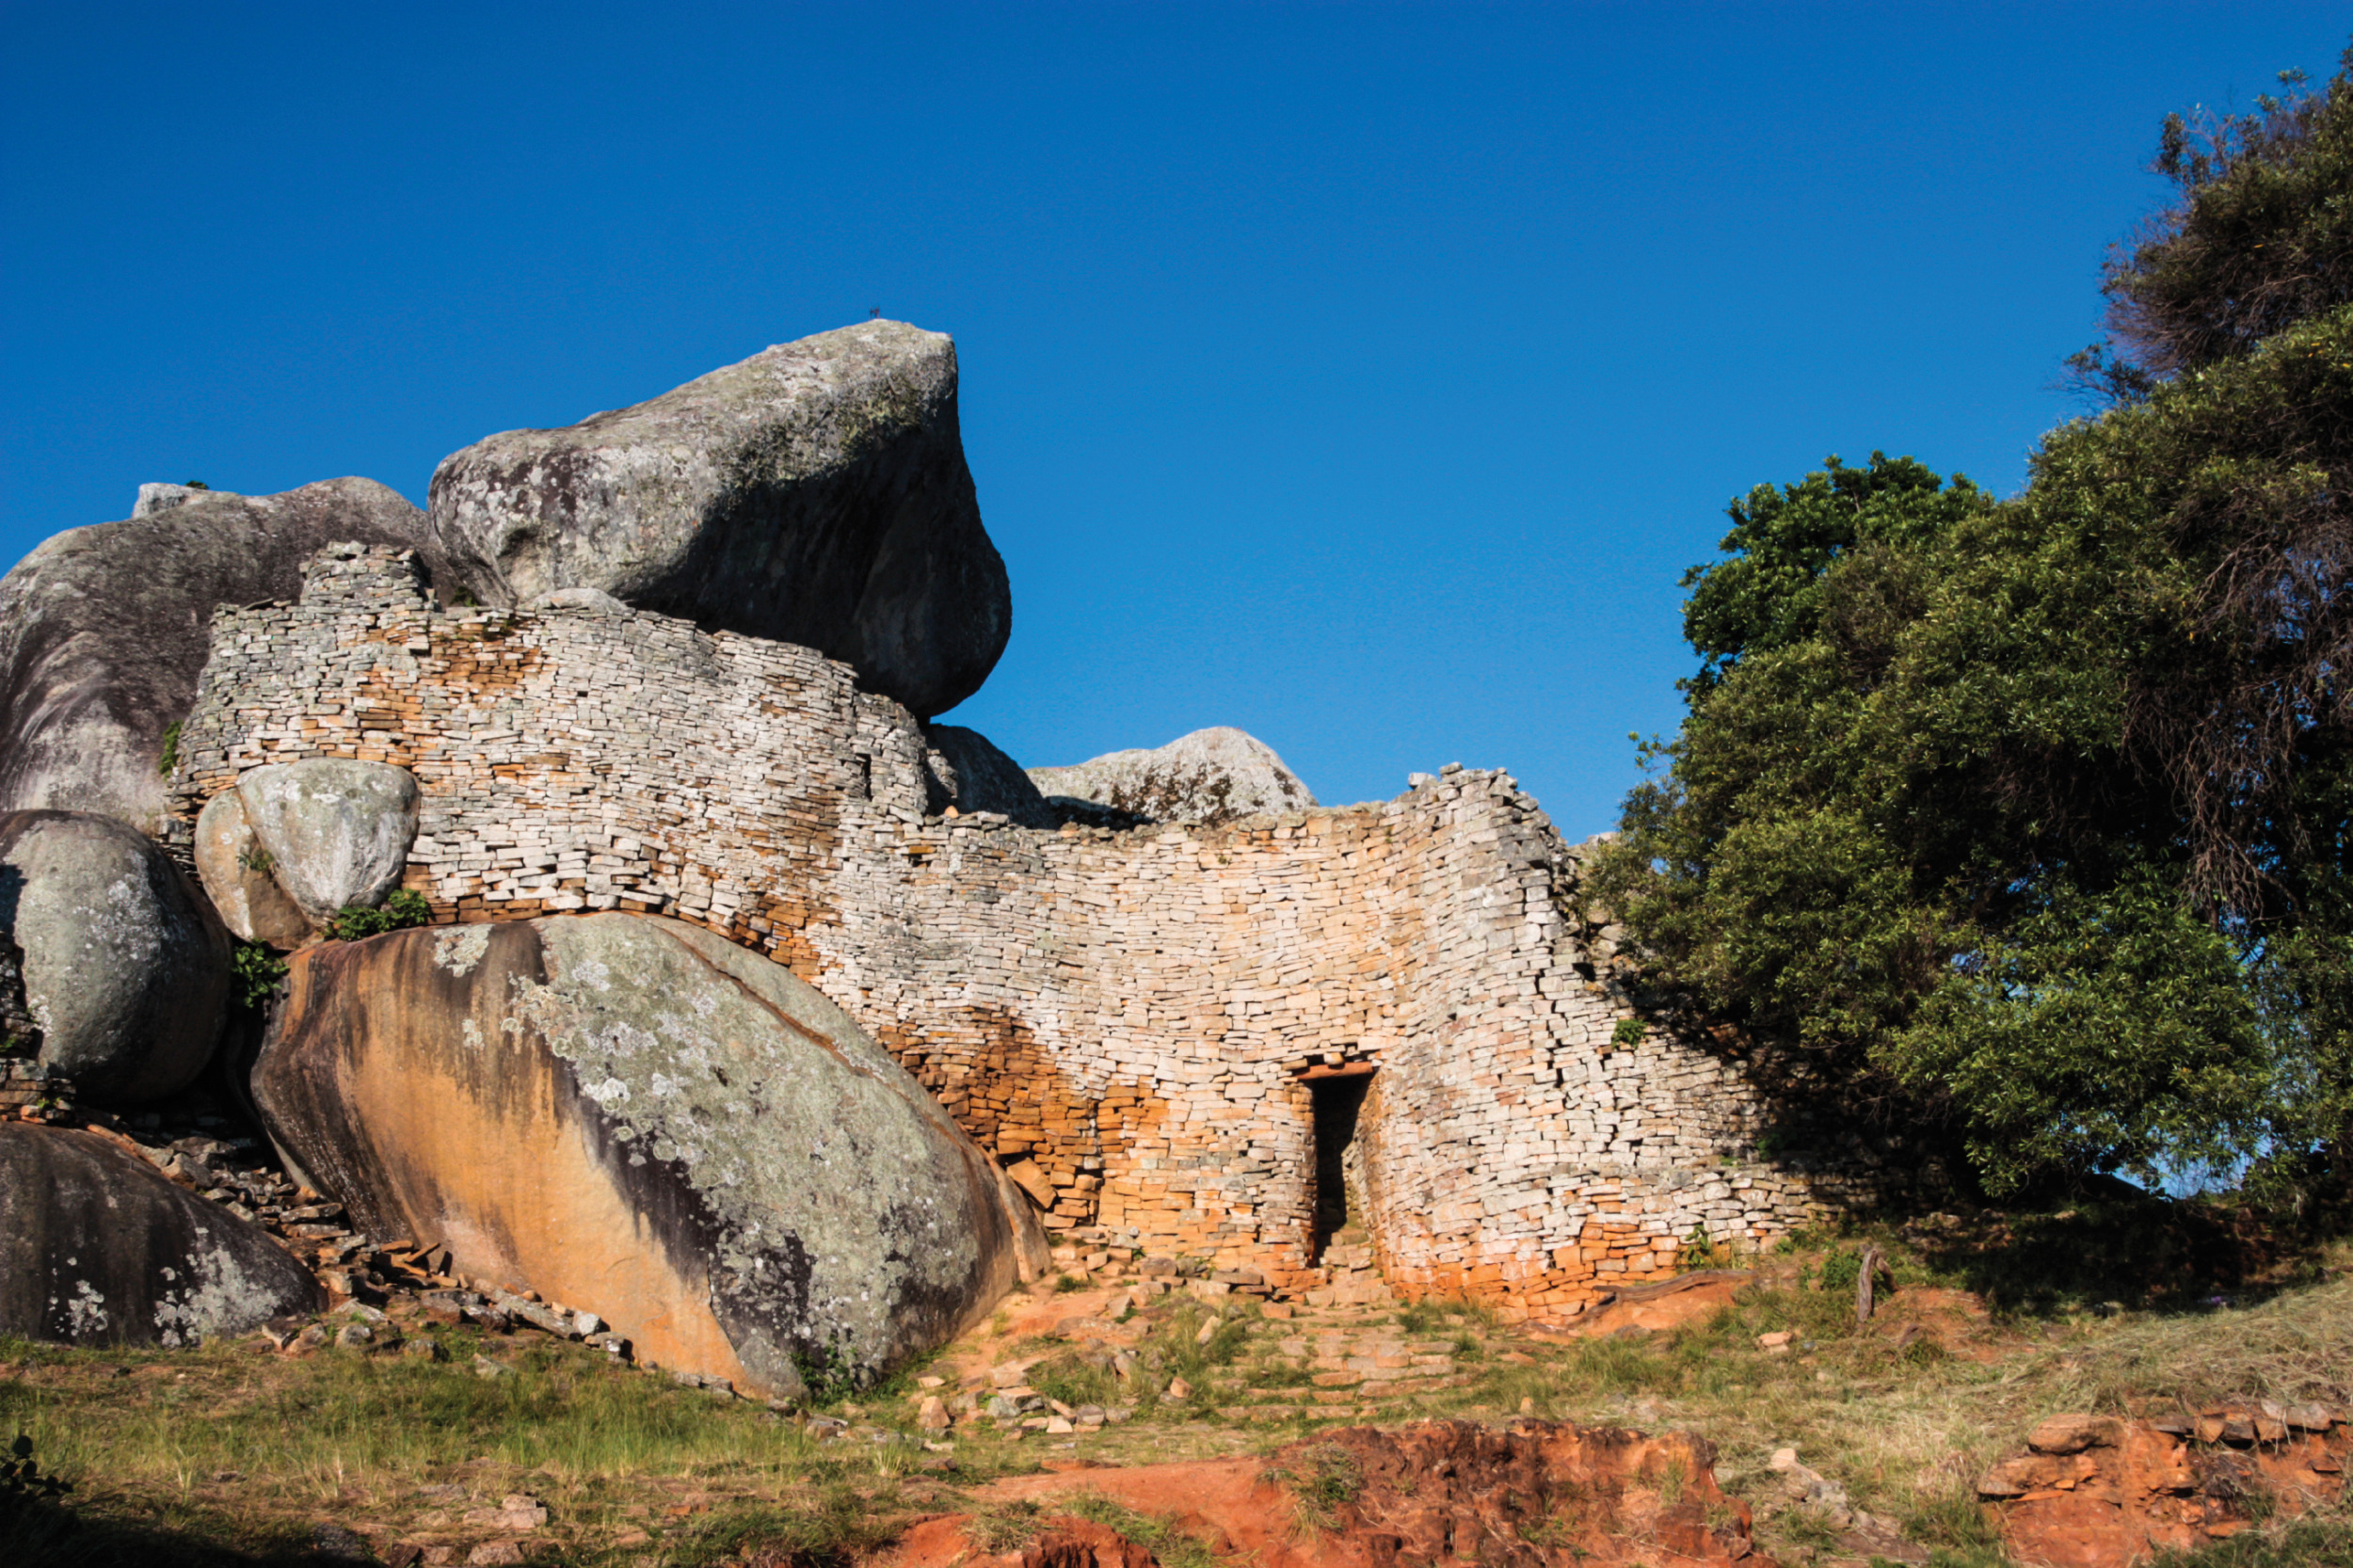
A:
{"x":1135,"y":1022}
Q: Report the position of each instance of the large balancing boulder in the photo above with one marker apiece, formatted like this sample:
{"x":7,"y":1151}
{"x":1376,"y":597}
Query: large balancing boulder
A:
{"x":333,"y":832}
{"x":1210,"y":776}
{"x":124,"y":970}
{"x":97,"y":1248}
{"x":104,"y":630}
{"x":816,"y":493}
{"x":637,"y":1119}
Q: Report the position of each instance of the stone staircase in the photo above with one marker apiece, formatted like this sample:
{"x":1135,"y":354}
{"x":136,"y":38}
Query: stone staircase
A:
{"x":1351,"y":1276}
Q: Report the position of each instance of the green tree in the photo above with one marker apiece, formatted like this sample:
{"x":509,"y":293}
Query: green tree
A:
{"x":2027,"y":822}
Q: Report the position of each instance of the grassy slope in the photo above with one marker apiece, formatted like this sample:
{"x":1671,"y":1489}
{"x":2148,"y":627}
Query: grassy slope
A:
{"x":230,"y":1456}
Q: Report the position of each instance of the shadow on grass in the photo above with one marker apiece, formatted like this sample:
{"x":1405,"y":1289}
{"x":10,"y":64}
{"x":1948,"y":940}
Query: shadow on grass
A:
{"x":2120,"y":1245}
{"x":44,"y":1534}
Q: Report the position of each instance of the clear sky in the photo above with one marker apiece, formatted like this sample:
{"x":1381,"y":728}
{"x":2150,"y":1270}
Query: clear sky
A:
{"x":1362,"y":375}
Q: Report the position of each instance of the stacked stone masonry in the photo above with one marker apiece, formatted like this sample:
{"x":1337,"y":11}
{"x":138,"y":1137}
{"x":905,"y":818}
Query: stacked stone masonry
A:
{"x":1141,"y":1016}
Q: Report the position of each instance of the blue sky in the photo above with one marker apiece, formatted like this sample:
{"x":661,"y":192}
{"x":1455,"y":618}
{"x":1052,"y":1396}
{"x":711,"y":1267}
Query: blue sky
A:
{"x":1362,"y":375}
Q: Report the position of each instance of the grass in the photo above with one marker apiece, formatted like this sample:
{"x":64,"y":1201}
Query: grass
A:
{"x":223,"y":1456}
{"x":2117,"y":1245}
{"x":837,"y":1524}
{"x":1172,"y":1348}
{"x":226,"y":1409}
{"x":1006,"y":1526}
{"x":1322,"y":1480}
{"x":2320,"y":1543}
{"x":1009,"y":1527}
{"x":1174,"y":1546}
{"x":1906,"y":1428}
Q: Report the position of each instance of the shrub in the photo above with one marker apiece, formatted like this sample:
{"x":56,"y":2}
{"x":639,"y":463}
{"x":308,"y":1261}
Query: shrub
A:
{"x":20,"y":1480}
{"x":354,"y":922}
{"x":256,"y":971}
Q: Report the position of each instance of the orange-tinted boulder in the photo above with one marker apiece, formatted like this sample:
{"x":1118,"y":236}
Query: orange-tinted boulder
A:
{"x":637,"y":1119}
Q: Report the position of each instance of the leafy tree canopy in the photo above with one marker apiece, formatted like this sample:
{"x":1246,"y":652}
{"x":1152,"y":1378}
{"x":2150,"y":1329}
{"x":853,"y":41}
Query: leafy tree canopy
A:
{"x":2031,"y":822}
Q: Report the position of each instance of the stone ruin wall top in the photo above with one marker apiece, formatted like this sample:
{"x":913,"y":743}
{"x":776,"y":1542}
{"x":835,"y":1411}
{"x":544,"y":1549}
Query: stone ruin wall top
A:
{"x":1140,"y":1016}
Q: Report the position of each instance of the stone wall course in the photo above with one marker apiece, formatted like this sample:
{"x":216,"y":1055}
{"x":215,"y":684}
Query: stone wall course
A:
{"x":1130,"y":1010}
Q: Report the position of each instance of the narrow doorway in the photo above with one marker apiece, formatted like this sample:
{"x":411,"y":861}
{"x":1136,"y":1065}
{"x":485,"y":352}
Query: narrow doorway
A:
{"x":1342,"y":1214}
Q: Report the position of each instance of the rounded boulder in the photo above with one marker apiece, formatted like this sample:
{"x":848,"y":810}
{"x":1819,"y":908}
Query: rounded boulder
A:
{"x":98,"y":1248}
{"x":637,"y":1119}
{"x":124,"y":969}
{"x":104,"y":630}
{"x":235,"y":871}
{"x":1210,"y":776}
{"x":336,"y":831}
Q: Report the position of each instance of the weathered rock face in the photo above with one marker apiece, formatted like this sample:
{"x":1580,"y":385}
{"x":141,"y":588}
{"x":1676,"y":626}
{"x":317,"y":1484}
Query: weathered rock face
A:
{"x":104,"y":630}
{"x":635,"y":1117}
{"x":1209,"y":776}
{"x":816,"y":493}
{"x":125,"y":971}
{"x":98,"y":1248}
{"x":968,"y":773}
{"x":163,"y":497}
{"x":2101,"y":1491}
{"x":337,"y":832}
{"x":235,"y":871}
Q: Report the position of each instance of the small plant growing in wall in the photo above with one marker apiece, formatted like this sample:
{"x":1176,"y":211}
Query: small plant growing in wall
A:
{"x":257,"y":972}
{"x":168,"y":758}
{"x":354,"y":922}
{"x":1701,"y":1251}
{"x":1627,"y":1035}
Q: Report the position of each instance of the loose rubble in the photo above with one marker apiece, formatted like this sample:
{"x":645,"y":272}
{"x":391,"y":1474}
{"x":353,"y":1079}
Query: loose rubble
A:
{"x":2108,"y":1491}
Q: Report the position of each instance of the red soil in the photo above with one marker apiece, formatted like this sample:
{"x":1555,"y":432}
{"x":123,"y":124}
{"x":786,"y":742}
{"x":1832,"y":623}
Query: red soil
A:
{"x":1534,"y":1495}
{"x":2101,"y":1492}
